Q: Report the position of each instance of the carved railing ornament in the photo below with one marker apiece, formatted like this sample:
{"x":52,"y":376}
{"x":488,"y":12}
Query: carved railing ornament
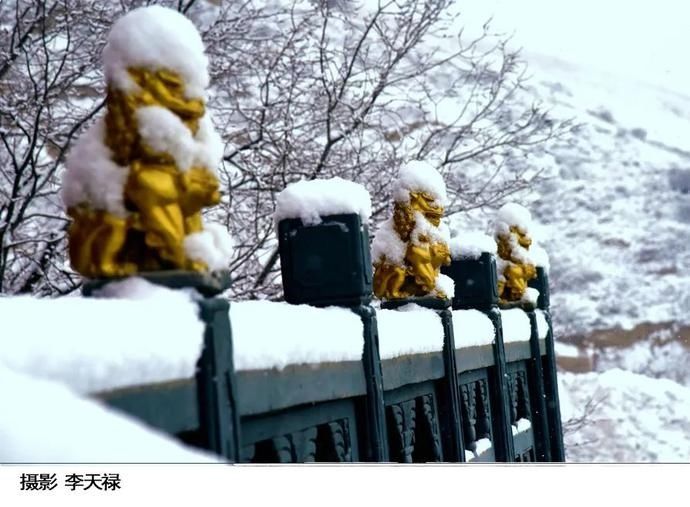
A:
{"x":514,"y":264}
{"x":410,"y":247}
{"x":137,"y":181}
{"x":402,"y":428}
{"x":429,"y":426}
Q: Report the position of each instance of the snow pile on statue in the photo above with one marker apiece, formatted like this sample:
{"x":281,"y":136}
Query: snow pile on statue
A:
{"x":137,"y":181}
{"x":411,"y":246}
{"x":515,"y":265}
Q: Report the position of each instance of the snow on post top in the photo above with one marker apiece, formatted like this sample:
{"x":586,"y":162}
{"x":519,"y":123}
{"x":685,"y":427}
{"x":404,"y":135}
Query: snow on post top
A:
{"x":159,"y":38}
{"x":512,"y":214}
{"x":410,"y":329}
{"x":269,"y":334}
{"x":311,"y":200}
{"x":516,"y":325}
{"x":419,"y":176}
{"x":471,"y":245}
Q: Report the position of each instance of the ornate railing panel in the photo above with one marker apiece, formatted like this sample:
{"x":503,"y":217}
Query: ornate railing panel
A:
{"x":490,"y":402}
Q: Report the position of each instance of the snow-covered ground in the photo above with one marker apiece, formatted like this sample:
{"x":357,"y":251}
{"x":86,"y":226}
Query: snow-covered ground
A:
{"x":614,"y":211}
{"x":627,"y":417}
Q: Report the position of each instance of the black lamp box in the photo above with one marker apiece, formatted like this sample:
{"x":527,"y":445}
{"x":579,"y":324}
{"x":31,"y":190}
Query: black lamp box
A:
{"x":328,"y":263}
{"x":541,"y":283}
{"x":476,"y":282}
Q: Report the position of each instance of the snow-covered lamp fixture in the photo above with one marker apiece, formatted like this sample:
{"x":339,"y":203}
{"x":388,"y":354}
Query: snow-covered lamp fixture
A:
{"x":324,"y":242}
{"x":411,"y":246}
{"x":136,"y":182}
{"x":515,"y":265}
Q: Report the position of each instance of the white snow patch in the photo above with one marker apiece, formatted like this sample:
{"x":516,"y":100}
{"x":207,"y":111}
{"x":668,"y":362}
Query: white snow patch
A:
{"x":163,"y":131}
{"x":158,"y":38}
{"x":521,"y":425}
{"x":269,"y":334}
{"x":542,"y":323}
{"x":446,"y":285}
{"x":513,"y":214}
{"x":91,"y":177}
{"x":209,"y":144}
{"x":632,"y":417}
{"x":539,"y":256}
{"x":419,"y":176}
{"x":310,"y":200}
{"x":472,"y":328}
{"x":409,"y":329}
{"x":531,"y":295}
{"x":516,"y":326}
{"x":424,"y":231}
{"x":387,"y":244}
{"x":44,"y":422}
{"x":213,"y":245}
{"x":483,"y":445}
{"x":471,"y":245}
{"x":95,"y":345}
{"x":140,"y":289}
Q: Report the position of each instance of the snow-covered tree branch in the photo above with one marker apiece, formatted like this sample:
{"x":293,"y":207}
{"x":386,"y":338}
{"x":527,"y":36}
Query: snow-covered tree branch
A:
{"x":301,"y":89}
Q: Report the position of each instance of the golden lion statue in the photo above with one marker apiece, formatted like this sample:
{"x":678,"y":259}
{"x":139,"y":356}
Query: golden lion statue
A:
{"x":136,"y":183}
{"x":515,"y":268}
{"x":410,"y":248}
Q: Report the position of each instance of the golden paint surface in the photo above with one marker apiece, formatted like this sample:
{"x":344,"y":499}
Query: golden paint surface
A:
{"x":417,"y":275}
{"x":517,"y":274}
{"x":163,"y":202}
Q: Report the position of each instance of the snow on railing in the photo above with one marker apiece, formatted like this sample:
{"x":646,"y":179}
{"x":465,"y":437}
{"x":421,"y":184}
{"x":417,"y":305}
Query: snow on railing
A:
{"x":46,"y":422}
{"x":138,"y":333}
{"x":269,"y":335}
{"x":408,"y":330}
{"x":421,"y":377}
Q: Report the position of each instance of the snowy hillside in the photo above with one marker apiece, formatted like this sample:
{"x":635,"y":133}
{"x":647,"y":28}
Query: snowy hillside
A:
{"x":616,"y":217}
{"x":629,"y":418}
{"x":616,"y":210}
{"x":615,"y":206}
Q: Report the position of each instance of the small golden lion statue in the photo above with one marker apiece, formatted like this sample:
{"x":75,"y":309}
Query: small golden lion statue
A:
{"x":515,"y":267}
{"x":410,"y":248}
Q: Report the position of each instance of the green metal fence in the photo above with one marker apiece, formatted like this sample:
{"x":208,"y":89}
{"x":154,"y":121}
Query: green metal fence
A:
{"x":497,"y":402}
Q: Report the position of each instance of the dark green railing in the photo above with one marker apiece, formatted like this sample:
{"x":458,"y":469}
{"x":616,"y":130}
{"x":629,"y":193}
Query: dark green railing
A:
{"x":447,"y":406}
